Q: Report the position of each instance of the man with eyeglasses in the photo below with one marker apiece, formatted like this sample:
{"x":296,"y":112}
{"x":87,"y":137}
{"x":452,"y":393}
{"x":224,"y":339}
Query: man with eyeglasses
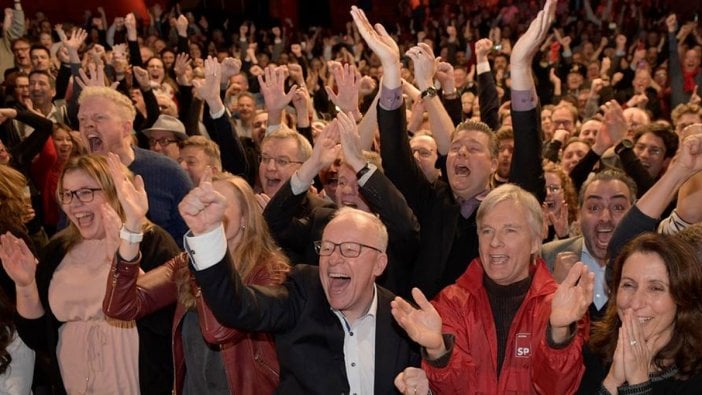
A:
{"x":425,"y":152}
{"x":332,"y":324}
{"x":165,"y":136}
{"x":604,"y":199}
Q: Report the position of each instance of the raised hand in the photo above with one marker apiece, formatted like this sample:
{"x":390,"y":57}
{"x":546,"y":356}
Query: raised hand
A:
{"x":273,"y":88}
{"x":482,"y":49}
{"x":230,"y":67}
{"x":614,"y":121}
{"x":530,"y":42}
{"x":615,"y":377}
{"x":423,"y":325}
{"x":564,"y":262}
{"x":444,"y":73}
{"x":77,"y":39}
{"x":96,"y":77}
{"x":424,"y":65}
{"x":295,"y":72}
{"x":182,"y":26}
{"x":326,"y":148}
{"x":382,"y":44}
{"x":180,"y":67}
{"x":203,"y":207}
{"x":571,"y":300}
{"x":17,"y":259}
{"x":131,"y":25}
{"x":672,"y":23}
{"x":350,"y":141}
{"x":142,"y":77}
{"x":412,"y":381}
{"x":348,"y":82}
{"x":209,"y":89}
{"x":559,"y":220}
{"x":132,"y":195}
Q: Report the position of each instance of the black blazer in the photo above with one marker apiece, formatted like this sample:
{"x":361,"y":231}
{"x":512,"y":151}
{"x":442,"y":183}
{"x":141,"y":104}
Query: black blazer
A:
{"x":309,"y":337}
{"x":296,"y":235}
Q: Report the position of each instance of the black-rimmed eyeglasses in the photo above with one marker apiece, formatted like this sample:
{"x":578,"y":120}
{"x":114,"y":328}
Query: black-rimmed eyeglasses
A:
{"x":348,"y":249}
{"x":84,"y":195}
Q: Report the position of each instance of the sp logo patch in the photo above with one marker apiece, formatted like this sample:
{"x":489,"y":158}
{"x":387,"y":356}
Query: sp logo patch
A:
{"x":522,"y":345}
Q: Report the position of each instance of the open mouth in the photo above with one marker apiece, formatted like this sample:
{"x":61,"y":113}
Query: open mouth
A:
{"x":84,"y":219}
{"x":347,"y":203}
{"x":95,"y":143}
{"x":338,"y":282}
{"x":602,"y":236}
{"x":461,"y":170}
{"x":498,"y":259}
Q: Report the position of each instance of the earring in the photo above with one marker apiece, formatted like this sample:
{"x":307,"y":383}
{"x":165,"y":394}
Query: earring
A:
{"x":243,"y":227}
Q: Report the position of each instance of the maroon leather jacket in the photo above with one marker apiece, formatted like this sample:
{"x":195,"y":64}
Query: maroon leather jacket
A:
{"x":250,"y":359}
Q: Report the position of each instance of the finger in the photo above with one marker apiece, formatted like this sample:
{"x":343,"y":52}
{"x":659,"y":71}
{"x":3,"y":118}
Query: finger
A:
{"x":206,"y":176}
{"x":420,"y":299}
{"x":573,"y":274}
{"x":400,"y":382}
{"x":332,"y":96}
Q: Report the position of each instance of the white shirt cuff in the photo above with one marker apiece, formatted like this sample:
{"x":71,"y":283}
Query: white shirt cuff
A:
{"x":482,"y":67}
{"x":297,"y":185}
{"x":207,"y":249}
{"x":371,"y":169}
{"x":219,"y":113}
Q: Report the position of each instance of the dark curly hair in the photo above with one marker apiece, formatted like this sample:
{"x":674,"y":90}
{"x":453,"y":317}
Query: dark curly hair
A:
{"x":7,"y":331}
{"x":685,"y":279}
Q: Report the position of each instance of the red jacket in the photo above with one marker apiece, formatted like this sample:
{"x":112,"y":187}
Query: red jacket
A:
{"x":531,"y":366}
{"x":250,"y":359}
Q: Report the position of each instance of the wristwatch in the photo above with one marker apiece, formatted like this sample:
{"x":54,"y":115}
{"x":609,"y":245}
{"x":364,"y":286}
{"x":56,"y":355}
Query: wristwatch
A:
{"x":430,"y":92}
{"x":624,"y":144}
{"x":129,"y":236}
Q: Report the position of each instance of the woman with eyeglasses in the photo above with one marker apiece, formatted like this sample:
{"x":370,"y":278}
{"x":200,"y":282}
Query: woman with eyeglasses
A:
{"x":561,"y":204}
{"x":59,"y":297}
{"x":209,"y":358}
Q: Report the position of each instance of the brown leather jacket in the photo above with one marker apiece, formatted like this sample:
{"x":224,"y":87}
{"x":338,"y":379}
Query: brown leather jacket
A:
{"x":250,"y":359}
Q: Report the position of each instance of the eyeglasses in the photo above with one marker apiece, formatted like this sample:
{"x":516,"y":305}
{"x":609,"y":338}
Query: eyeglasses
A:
{"x":553,"y":188}
{"x":348,"y":249}
{"x":163,"y":142}
{"x":84,"y":195}
{"x":280,"y":161}
{"x":424,"y":153}
{"x":653,"y":151}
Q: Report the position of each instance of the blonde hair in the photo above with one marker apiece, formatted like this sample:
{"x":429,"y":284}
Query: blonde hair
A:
{"x":128,"y":112}
{"x":304,"y":148}
{"x":255,"y":250}
{"x":95,"y":167}
{"x":209,"y":147}
{"x":12,"y":186}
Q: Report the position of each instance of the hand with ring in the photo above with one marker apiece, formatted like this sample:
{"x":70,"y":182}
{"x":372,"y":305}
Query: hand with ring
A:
{"x":412,"y":381}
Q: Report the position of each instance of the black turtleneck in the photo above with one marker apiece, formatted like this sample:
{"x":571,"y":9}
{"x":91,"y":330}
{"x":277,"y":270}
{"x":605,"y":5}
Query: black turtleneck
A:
{"x":505,"y":301}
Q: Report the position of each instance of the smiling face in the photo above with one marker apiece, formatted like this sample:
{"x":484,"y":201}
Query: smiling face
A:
{"x":86,"y":217}
{"x":102,"y":126}
{"x":425,"y":154}
{"x":572,"y":155}
{"x":469,"y":163}
{"x":554,"y":192}
{"x":271,"y":174}
{"x":63,"y":144}
{"x":588,"y":131}
{"x":347,"y":193}
{"x":40,"y":90}
{"x":156,"y":70}
{"x":348,"y":282}
{"x":604,"y":204}
{"x":651,"y":151}
{"x":645,"y":290}
{"x":506,"y":243}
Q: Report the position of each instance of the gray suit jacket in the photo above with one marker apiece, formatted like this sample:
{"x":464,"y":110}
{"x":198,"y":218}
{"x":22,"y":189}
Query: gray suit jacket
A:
{"x":550,"y":250}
